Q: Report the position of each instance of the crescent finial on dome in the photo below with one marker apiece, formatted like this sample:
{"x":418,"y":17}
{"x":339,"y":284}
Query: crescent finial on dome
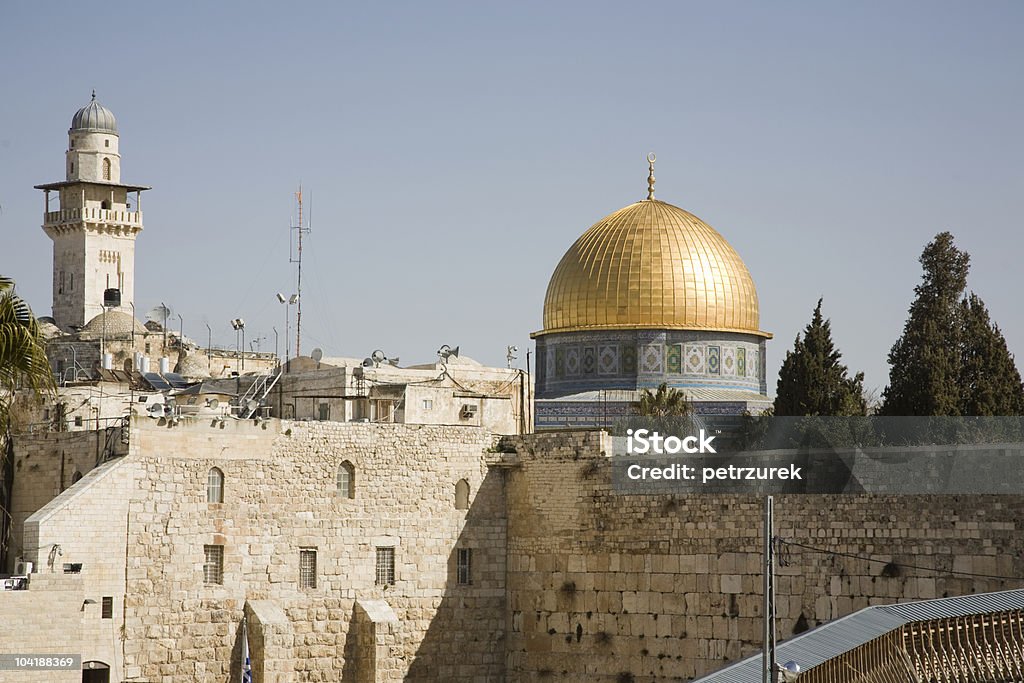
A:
{"x":651,"y":158}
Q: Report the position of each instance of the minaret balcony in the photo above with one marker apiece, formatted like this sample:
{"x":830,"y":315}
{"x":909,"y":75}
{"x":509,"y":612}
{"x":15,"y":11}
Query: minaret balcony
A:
{"x":92,"y":215}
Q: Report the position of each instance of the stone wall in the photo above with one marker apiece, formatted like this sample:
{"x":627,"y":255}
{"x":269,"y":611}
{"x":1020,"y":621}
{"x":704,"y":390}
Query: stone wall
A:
{"x":280,"y":496}
{"x":608,"y":587}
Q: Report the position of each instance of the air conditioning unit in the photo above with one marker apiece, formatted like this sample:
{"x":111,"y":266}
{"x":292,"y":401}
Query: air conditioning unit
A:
{"x":468,"y":410}
{"x":23,"y":568}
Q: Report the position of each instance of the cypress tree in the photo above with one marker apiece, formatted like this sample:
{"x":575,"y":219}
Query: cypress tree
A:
{"x":925,"y":361}
{"x":951,"y":359}
{"x":990,"y":383}
{"x":813,"y":380}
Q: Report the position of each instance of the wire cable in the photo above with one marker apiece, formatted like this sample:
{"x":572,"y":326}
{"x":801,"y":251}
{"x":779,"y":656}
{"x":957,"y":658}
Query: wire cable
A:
{"x":854,"y":556}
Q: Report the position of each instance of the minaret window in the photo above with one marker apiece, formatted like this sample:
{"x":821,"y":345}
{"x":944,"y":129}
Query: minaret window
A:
{"x":106,"y":169}
{"x":72,"y":143}
{"x":72,"y":167}
{"x":106,"y":143}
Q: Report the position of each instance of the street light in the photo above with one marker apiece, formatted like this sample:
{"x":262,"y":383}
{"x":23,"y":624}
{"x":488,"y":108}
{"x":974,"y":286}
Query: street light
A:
{"x":288,"y":303}
{"x":239,"y":325}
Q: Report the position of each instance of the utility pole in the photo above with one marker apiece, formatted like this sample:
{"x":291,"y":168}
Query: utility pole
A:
{"x":768,"y":655}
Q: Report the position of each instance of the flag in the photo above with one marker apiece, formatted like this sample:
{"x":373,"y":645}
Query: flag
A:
{"x":246,"y":664}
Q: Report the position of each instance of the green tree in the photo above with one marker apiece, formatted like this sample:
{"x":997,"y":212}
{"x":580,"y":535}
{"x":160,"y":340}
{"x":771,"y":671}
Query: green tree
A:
{"x":813,"y":381}
{"x":951,"y":358}
{"x":925,"y":361}
{"x":663,"y":402}
{"x":990,"y":383}
{"x":23,"y":362}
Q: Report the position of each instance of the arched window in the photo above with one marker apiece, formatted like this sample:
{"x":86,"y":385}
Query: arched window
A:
{"x":104,"y":204}
{"x":215,"y":486}
{"x":106,"y":169}
{"x":462,"y":495}
{"x":346,"y":480}
{"x":75,"y":477}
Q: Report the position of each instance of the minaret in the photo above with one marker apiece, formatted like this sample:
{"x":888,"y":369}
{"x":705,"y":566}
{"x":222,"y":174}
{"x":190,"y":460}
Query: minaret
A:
{"x":95,"y":224}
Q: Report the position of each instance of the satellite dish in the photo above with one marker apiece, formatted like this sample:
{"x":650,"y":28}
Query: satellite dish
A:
{"x":393,"y":361}
{"x":155,"y":410}
{"x":251,"y":405}
{"x":367,"y":362}
{"x":378,"y":356}
{"x":317,"y":355}
{"x":159,"y":314}
{"x":212,"y":404}
{"x":455,"y":352}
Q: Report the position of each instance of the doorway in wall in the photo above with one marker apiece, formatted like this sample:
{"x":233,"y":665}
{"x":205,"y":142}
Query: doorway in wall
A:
{"x":95,"y":672}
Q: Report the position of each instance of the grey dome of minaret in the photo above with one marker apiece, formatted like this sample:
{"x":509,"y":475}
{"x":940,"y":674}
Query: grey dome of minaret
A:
{"x":94,"y":118}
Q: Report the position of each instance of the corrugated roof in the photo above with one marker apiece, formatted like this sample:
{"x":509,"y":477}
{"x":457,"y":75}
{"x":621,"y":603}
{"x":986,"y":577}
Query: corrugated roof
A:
{"x":846,"y":633}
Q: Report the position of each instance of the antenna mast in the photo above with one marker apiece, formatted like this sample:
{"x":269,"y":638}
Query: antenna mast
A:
{"x":298,"y":287}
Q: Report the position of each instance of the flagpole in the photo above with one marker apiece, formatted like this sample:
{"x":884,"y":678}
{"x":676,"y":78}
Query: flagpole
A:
{"x":246,"y":664}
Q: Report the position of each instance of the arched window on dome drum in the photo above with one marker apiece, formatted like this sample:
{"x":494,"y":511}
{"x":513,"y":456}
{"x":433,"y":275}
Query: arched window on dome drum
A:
{"x":76,"y":477}
{"x":346,"y":480}
{"x":106,"y":169}
{"x":215,"y":486}
{"x":462,"y":495}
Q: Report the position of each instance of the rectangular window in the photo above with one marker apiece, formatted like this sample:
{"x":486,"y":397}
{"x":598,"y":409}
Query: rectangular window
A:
{"x":307,"y":568}
{"x":428,"y":404}
{"x":465,"y":566}
{"x":213,"y":566}
{"x":385,"y":567}
{"x":78,"y":420}
{"x":107,"y":611}
{"x":325,"y":411}
{"x":147,"y":347}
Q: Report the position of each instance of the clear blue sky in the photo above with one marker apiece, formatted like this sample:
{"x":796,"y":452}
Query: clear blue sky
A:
{"x":453,"y":152}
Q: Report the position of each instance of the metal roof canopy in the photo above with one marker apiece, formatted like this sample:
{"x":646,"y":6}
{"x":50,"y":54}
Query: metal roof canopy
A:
{"x":846,"y":633}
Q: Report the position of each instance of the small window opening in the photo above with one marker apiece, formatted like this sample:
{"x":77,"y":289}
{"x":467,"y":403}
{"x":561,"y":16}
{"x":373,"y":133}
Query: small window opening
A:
{"x":215,"y":486}
{"x":347,"y":480}
{"x":385,"y":566}
{"x":464,"y":563}
{"x":107,"y":608}
{"x":462,"y":495}
{"x":213,"y":565}
{"x":307,"y":568}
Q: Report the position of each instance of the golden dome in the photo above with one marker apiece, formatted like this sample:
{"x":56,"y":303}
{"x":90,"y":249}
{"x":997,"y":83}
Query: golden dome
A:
{"x":651,"y":265}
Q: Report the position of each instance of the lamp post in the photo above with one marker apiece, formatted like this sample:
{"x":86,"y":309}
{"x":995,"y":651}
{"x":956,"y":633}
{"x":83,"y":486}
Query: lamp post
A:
{"x":288,"y":303}
{"x":239,"y":326}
